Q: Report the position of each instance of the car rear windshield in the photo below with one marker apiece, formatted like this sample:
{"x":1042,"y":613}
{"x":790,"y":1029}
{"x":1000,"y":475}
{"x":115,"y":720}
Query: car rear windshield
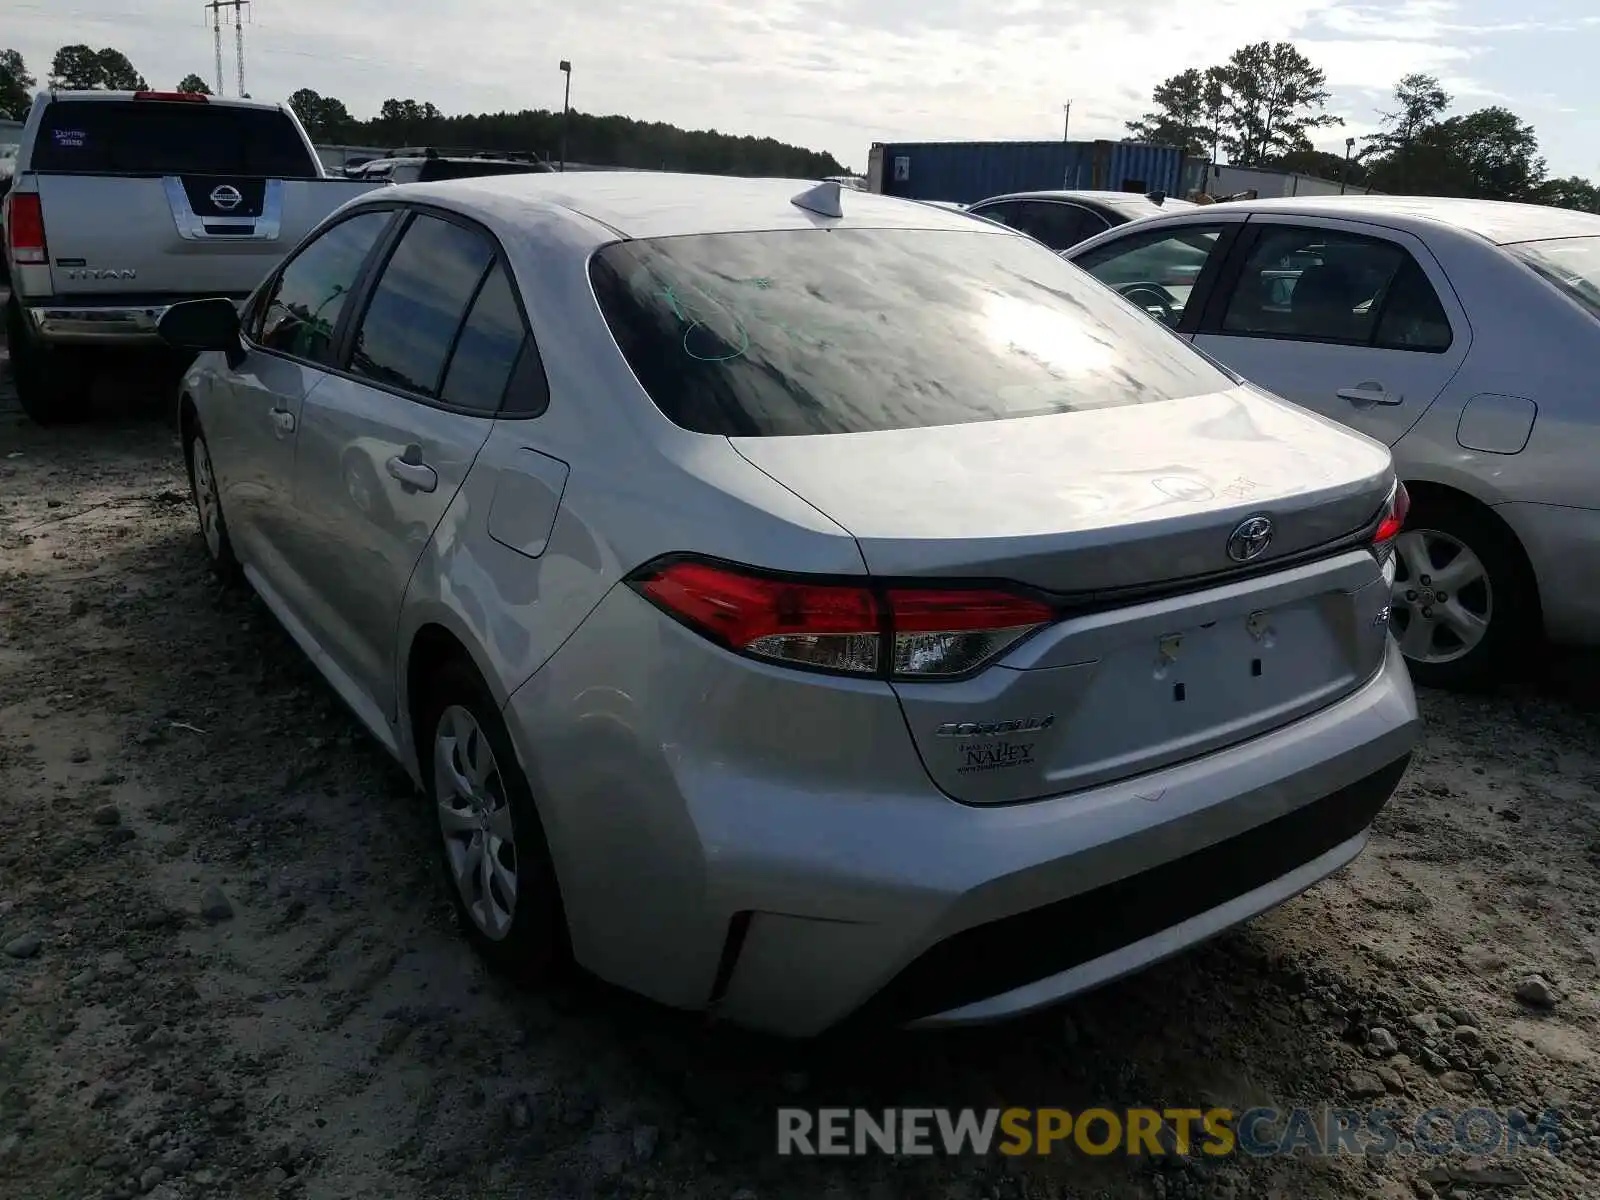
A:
{"x":1572,"y":264}
{"x":169,"y":137}
{"x":851,"y":330}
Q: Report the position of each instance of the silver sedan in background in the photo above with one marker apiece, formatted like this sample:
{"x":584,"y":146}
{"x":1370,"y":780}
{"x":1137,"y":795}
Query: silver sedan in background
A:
{"x":800,"y":605}
{"x":1464,"y":334}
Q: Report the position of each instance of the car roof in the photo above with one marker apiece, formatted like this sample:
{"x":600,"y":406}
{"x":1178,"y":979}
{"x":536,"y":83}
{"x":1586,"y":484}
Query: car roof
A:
{"x":649,"y":204}
{"x":1127,"y":203}
{"x":1500,"y":221}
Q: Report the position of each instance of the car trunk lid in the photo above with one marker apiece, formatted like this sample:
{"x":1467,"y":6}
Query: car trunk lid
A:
{"x":1167,"y":647}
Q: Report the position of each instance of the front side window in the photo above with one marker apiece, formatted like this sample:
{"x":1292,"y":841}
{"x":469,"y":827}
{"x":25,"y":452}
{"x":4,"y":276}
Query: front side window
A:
{"x":1324,"y":285}
{"x":848,"y":330}
{"x":301,"y":309}
{"x":418,"y":305}
{"x":1572,"y":264}
{"x":1156,"y":270}
{"x":1055,"y":224}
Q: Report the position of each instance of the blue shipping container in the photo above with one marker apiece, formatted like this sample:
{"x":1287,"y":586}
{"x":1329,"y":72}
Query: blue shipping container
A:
{"x":970,"y":171}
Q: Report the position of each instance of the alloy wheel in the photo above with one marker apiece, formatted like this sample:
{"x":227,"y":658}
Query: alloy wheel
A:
{"x":475,"y":821}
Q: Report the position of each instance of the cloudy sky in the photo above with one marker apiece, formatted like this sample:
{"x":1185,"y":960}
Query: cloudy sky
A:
{"x":837,"y":75}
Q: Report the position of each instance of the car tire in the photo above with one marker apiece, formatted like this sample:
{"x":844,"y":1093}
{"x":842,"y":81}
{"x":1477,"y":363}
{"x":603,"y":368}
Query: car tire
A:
{"x":1465,"y":607}
{"x":492,"y":843}
{"x":207,"y":498}
{"x":52,"y":388}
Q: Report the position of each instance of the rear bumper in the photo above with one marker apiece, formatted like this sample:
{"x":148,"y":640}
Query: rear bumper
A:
{"x":791,"y":874}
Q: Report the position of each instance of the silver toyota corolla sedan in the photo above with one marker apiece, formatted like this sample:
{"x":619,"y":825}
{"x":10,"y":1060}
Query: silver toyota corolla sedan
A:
{"x":803,"y":606}
{"x":1463,"y":334}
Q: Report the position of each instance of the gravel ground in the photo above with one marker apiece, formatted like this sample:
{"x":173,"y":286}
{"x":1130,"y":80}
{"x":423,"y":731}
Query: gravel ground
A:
{"x":228,"y":968}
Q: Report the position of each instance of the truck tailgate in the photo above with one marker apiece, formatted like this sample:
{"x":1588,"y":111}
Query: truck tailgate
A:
{"x":211,"y":235}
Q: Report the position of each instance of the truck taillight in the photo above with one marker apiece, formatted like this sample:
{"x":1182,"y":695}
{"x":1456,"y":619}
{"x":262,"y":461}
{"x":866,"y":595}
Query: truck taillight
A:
{"x":25,"y":230}
{"x":184,"y":97}
{"x":909,"y":633}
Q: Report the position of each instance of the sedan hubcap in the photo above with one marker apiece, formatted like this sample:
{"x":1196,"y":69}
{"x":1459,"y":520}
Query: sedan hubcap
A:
{"x":475,"y":820}
{"x":1441,"y":600}
{"x":205,"y":498}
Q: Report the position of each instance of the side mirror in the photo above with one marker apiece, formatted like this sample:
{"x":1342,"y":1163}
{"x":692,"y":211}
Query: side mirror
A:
{"x":203,"y":325}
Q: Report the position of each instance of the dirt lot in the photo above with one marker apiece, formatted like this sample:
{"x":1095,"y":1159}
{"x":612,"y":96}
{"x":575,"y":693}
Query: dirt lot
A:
{"x":228,"y":966}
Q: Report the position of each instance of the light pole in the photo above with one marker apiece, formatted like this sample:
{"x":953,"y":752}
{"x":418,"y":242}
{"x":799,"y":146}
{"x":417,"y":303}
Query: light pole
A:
{"x":1349,"y":145}
{"x":1066,"y":127}
{"x":566,"y":111}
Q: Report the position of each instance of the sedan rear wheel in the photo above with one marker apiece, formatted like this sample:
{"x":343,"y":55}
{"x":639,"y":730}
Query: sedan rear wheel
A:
{"x":493,"y":845}
{"x":1463,"y":605}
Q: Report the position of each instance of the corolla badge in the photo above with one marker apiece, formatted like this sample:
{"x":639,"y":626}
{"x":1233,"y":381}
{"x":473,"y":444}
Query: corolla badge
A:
{"x":1251,"y":539}
{"x":226,"y":197}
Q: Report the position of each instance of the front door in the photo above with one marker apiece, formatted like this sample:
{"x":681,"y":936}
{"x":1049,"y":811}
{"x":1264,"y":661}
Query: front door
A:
{"x":386,"y":443}
{"x":252,"y":426}
{"x":1353,"y":321}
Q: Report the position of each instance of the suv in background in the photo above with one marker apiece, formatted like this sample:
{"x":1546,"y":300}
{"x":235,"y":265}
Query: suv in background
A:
{"x":1063,"y":219}
{"x":430,"y":166}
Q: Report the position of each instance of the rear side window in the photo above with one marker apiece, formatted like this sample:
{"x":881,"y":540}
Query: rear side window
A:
{"x":405,"y":336}
{"x":303,"y":304}
{"x":486,"y":353}
{"x":848,"y":330}
{"x":1571,"y":264}
{"x":168,"y":137}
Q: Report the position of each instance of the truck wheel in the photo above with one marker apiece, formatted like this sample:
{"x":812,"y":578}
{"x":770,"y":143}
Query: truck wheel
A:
{"x":52,"y":387}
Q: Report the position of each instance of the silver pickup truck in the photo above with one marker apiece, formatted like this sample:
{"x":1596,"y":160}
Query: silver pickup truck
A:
{"x":124,"y":203}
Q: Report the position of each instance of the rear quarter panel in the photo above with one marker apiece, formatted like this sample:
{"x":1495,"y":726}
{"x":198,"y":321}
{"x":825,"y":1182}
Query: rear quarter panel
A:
{"x":1530,"y":342}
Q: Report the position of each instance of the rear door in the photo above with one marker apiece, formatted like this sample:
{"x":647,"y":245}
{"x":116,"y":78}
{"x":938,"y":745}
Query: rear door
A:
{"x":1352,"y":320}
{"x":169,"y":196}
{"x":385,"y":443}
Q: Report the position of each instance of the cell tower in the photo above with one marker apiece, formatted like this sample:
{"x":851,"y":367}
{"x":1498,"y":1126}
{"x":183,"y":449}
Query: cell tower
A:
{"x":215,"y":7}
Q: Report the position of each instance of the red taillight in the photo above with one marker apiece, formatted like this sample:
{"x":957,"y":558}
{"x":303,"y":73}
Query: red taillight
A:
{"x":185,"y":97}
{"x":912,"y":633}
{"x":25,"y":229}
{"x":1394,"y":517}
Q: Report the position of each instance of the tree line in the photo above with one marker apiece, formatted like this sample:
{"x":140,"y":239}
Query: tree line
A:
{"x":603,"y":141}
{"x":1259,"y":107}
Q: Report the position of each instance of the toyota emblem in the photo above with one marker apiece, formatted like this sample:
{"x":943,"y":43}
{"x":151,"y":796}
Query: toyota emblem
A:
{"x":1250,"y":540}
{"x":226,"y":197}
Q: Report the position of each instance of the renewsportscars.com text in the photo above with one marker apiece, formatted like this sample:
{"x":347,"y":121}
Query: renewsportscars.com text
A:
{"x":1215,"y":1132}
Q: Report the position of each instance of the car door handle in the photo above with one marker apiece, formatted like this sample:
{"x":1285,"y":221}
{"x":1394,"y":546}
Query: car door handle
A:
{"x":282,"y":420}
{"x":418,"y":475}
{"x":1369,"y":393}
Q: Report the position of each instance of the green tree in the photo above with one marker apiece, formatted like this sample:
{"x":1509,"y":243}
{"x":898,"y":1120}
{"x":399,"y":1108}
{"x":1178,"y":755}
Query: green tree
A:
{"x":76,"y":68}
{"x":1571,"y":192}
{"x":325,"y":117}
{"x":193,"y":85}
{"x":1272,"y":97}
{"x":81,"y":68}
{"x":1187,"y":113}
{"x":1491,"y":154}
{"x":117,"y":73}
{"x":15,"y":85}
{"x":1419,"y":101}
